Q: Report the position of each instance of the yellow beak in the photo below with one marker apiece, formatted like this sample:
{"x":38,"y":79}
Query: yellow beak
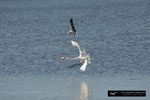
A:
{"x":60,"y":59}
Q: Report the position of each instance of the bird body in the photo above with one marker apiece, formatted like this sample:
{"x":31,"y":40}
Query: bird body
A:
{"x":83,"y":57}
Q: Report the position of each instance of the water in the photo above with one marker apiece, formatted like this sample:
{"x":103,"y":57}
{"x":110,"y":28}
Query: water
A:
{"x":33,"y":35}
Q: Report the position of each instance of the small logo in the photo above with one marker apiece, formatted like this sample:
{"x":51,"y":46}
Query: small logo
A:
{"x":128,"y":93}
{"x":113,"y":93}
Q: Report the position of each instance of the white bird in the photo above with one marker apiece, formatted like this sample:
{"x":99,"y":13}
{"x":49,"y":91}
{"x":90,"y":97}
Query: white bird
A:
{"x":73,"y":30}
{"x":83,"y":57}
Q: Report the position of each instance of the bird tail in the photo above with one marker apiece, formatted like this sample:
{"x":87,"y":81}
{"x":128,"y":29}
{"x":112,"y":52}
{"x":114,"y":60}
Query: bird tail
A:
{"x":88,"y":58}
{"x":83,"y":67}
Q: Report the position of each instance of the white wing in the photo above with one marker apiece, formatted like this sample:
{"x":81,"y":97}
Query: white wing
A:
{"x":77,"y":45}
{"x":83,"y":52}
{"x":83,"y":67}
{"x":88,"y":58}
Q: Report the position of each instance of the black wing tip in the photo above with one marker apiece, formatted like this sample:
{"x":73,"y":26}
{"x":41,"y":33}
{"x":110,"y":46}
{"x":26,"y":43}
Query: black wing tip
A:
{"x":71,"y":20}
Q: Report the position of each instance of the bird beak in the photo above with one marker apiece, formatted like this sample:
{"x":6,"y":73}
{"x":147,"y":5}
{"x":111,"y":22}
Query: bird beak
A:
{"x":60,"y":59}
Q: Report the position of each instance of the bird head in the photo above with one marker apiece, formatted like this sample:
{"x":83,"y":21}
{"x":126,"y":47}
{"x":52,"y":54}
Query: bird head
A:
{"x":62,"y":58}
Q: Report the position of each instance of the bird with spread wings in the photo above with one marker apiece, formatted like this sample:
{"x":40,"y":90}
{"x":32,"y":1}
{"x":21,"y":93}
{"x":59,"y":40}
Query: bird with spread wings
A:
{"x":73,"y":30}
{"x":83,"y":57}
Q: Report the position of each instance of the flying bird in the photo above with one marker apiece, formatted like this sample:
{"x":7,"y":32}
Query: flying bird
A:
{"x":83,"y":57}
{"x":73,"y":30}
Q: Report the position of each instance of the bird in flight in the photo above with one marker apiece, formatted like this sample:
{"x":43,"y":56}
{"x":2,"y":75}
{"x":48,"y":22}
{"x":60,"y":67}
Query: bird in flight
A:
{"x":73,"y":30}
{"x":83,"y":57}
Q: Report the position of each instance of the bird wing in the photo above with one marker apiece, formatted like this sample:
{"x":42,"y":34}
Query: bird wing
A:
{"x":83,"y":52}
{"x":88,"y":58}
{"x":83,"y":67}
{"x":77,"y":45}
{"x":72,"y":25}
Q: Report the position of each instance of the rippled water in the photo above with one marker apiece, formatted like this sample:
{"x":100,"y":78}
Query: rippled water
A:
{"x":116,"y":33}
{"x":33,"y":35}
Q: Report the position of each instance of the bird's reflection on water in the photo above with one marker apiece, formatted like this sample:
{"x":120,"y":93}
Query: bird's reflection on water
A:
{"x":78,"y":90}
{"x":85,"y":93}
